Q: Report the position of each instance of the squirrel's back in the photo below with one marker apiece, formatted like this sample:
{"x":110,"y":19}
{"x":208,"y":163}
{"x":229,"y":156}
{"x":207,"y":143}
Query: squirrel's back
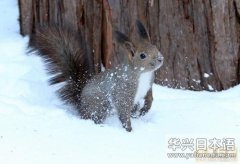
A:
{"x":65,"y":53}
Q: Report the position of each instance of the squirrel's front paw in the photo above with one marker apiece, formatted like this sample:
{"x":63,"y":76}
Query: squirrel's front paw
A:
{"x":135,"y":111}
{"x":143,"y":111}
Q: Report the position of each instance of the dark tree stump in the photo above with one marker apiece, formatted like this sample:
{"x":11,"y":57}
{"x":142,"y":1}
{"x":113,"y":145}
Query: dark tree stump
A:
{"x":196,"y":37}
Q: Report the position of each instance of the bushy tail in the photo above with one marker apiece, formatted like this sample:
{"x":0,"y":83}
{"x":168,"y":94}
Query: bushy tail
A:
{"x":65,"y":53}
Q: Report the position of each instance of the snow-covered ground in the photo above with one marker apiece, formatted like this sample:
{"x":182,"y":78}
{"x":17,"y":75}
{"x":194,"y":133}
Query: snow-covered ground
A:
{"x":36,"y":128}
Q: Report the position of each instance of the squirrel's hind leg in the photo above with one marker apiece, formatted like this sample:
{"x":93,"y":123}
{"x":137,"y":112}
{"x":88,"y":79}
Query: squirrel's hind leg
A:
{"x":124,"y":107}
{"x":96,"y":108}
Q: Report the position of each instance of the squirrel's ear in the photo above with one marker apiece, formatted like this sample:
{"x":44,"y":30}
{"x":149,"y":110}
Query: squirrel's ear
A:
{"x":124,"y":40}
{"x":142,"y":30}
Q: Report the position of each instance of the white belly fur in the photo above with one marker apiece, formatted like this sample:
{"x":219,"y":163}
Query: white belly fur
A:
{"x":144,"y":84}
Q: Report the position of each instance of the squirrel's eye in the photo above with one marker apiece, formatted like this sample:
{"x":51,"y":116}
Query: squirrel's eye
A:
{"x":142,"y":56}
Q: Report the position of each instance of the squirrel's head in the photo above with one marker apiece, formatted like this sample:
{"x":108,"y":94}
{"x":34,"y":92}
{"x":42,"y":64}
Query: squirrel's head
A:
{"x":142,"y":54}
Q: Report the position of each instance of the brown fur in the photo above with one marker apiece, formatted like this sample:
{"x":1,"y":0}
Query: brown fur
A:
{"x":94,"y":96}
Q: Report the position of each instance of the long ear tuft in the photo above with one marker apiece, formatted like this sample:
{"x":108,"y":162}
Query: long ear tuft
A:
{"x":125,"y":41}
{"x":142,"y":30}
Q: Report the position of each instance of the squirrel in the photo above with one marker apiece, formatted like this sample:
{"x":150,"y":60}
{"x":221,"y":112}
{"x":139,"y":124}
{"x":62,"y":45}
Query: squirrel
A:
{"x":94,"y":96}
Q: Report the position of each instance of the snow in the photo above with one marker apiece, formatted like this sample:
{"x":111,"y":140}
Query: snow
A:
{"x":36,"y":128}
{"x":210,"y":88}
{"x":206,"y":75}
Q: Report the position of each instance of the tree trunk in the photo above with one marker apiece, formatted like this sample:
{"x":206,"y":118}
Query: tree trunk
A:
{"x":198,"y":38}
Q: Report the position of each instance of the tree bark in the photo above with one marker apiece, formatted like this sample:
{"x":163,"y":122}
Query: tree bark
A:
{"x":198,"y":38}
